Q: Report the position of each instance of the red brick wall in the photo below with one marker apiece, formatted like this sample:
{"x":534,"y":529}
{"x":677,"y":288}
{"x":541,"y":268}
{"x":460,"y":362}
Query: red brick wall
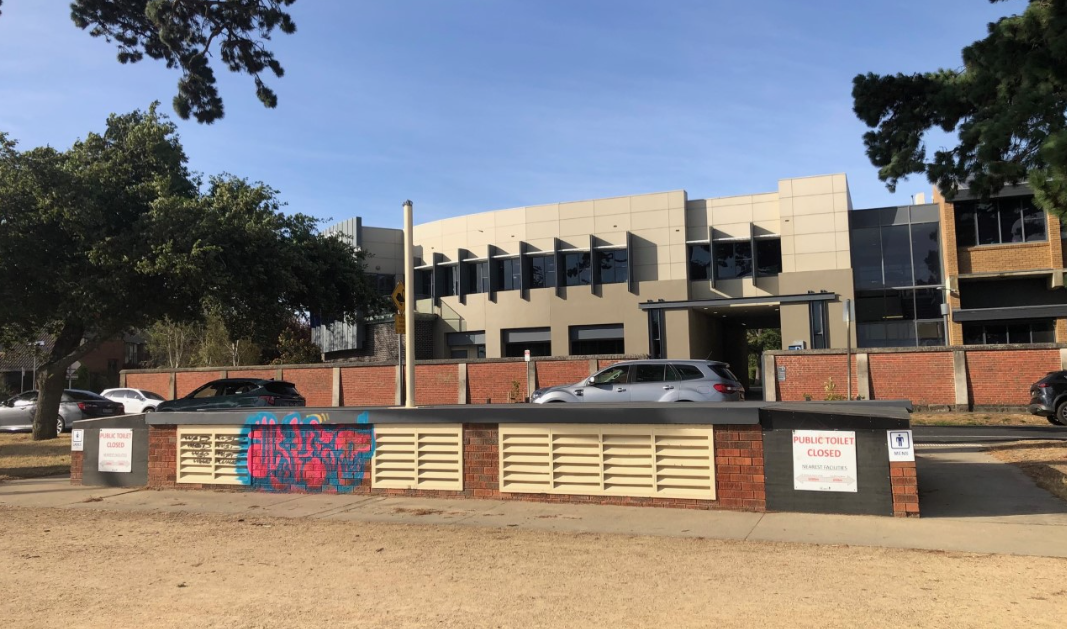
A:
{"x":154,"y":382}
{"x":316,"y":385}
{"x":809,"y":374}
{"x":895,"y":377}
{"x":76,"y":461}
{"x":607,"y":362}
{"x":996,"y":378}
{"x":163,"y":458}
{"x":437,"y":384}
{"x":551,"y":373}
{"x":190,"y":380}
{"x":265,"y":374}
{"x":493,"y":382}
{"x":905,"y":483}
{"x":368,"y":386}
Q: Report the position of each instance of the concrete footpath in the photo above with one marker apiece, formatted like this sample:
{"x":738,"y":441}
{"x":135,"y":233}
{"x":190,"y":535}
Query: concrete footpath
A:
{"x":1019,"y":536}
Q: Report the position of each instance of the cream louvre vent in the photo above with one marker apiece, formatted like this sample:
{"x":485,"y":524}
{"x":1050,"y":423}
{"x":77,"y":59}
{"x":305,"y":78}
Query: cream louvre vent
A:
{"x":410,"y":456}
{"x":640,"y":461}
{"x":211,"y":454}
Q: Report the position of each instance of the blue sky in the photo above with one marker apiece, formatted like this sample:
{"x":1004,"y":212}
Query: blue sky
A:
{"x":475,"y":105}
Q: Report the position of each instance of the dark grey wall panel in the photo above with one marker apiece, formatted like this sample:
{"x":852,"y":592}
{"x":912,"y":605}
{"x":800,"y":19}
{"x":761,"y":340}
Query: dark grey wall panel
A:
{"x":138,"y":474}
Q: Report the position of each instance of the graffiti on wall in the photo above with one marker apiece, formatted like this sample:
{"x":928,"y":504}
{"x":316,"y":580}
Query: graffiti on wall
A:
{"x":304,"y":453}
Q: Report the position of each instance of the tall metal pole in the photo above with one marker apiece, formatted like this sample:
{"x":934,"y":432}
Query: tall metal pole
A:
{"x":848,"y":348}
{"x":409,"y":306}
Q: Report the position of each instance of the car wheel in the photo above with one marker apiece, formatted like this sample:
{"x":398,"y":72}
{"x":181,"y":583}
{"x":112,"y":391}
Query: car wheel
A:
{"x":147,"y":409}
{"x":60,"y":425}
{"x":1061,"y":415}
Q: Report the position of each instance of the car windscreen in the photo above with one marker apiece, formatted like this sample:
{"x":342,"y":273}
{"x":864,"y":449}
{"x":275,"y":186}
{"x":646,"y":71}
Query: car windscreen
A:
{"x":85,"y":395}
{"x":281,"y":388}
{"x":152,"y":396}
{"x":723,"y":372}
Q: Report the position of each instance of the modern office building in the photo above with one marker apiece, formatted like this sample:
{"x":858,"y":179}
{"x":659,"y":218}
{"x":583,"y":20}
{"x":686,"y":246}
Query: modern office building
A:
{"x":667,"y":276}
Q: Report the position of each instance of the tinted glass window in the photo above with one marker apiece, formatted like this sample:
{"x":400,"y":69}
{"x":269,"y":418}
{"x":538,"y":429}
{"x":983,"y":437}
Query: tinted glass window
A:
{"x":699,"y":262}
{"x":29,"y":396}
{"x":152,"y":396}
{"x":926,"y":253}
{"x":896,"y":255}
{"x":988,"y":224}
{"x":423,"y":283}
{"x":542,"y":272}
{"x":769,"y":256}
{"x":688,"y":372}
{"x":1034,"y":222}
{"x":208,"y":390}
{"x":966,"y":233}
{"x":449,"y":280}
{"x":576,"y":269}
{"x":612,"y":266}
{"x":84,"y":396}
{"x":457,"y":353}
{"x":723,"y":372}
{"x":508,"y":274}
{"x":1005,"y":220}
{"x":477,"y":277}
{"x":592,"y":347}
{"x":616,"y":374}
{"x":648,"y":373}
{"x":281,"y":388}
{"x":867,"y":257}
{"x":733,"y":259}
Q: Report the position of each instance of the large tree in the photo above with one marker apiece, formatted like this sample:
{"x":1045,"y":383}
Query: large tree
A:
{"x":115,"y":233}
{"x":1006,"y":105}
{"x":182,"y":33}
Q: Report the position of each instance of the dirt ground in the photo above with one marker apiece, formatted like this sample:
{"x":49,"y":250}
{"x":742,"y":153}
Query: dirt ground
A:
{"x":977,"y":418}
{"x":88,"y":568}
{"x":1044,"y":461}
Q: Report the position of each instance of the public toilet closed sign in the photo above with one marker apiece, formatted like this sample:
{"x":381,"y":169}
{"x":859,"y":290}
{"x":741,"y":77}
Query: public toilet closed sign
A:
{"x":116,"y":450}
{"x":824,"y":460}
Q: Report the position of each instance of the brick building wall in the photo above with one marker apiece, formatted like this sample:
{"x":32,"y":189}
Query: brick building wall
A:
{"x":1000,"y":258}
{"x":188,"y":381}
{"x":154,"y":382}
{"x":436,"y":384}
{"x":1003,"y":378}
{"x":551,"y":373}
{"x":904,"y":480}
{"x":893,"y":377}
{"x":265,"y":373}
{"x":804,"y":376}
{"x":316,"y":385}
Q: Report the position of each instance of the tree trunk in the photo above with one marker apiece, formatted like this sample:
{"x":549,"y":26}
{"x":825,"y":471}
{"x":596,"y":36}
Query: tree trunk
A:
{"x":51,"y":376}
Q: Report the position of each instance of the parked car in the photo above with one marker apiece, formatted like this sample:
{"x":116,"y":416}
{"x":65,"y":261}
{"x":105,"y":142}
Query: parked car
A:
{"x":135,"y":400}
{"x":236,"y":393}
{"x":16,"y":413}
{"x":1048,"y":397}
{"x":651,"y":381}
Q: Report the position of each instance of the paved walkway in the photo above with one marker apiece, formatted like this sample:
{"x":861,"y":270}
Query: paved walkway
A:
{"x":1024,"y":535}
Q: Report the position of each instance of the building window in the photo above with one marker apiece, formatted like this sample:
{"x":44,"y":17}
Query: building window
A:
{"x":463,"y":344}
{"x":450,"y":280}
{"x":383,"y":283}
{"x":657,"y":348}
{"x":537,"y":340}
{"x":769,"y":256}
{"x":477,"y":277}
{"x":589,"y":340}
{"x":699,"y":262}
{"x":896,"y":256}
{"x":733,"y":259}
{"x":508,"y":274}
{"x":612,"y":264}
{"x":1012,"y":332}
{"x":999,"y":221}
{"x":423,"y":283}
{"x":899,"y":318}
{"x":576,"y":269}
{"x":542,"y":271}
{"x":819,"y":337}
{"x":457,"y":353}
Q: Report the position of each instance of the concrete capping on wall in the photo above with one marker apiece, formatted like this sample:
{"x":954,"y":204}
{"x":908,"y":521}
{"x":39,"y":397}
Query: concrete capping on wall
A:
{"x":916,"y":350}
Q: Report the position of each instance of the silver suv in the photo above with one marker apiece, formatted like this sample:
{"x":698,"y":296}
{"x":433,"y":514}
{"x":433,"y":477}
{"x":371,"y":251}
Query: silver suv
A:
{"x":651,"y":381}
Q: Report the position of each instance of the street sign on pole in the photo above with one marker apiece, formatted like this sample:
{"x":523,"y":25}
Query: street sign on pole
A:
{"x":398,"y":297}
{"x":399,"y":322}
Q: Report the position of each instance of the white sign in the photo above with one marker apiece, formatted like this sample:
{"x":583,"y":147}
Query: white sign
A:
{"x":77,"y":440}
{"x":901,"y":445}
{"x":824,"y":460}
{"x":526,"y":355}
{"x":116,"y":450}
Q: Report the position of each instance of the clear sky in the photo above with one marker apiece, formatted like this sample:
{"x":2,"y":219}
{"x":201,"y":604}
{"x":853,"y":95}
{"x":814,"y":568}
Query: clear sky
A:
{"x":474,"y":105}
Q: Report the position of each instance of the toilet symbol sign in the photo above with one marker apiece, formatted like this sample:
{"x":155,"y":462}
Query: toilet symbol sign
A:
{"x":901,"y":446}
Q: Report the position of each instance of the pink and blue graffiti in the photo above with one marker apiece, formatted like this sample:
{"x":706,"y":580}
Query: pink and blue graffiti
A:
{"x":303,"y":453}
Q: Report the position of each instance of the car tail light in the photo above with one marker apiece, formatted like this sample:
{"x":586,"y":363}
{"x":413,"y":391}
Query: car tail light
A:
{"x":726,"y":388}
{"x":269,"y":399}
{"x":1042,"y":385}
{"x":81,"y":406}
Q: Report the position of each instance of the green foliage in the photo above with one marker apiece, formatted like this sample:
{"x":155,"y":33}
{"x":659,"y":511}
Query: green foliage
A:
{"x":173,"y":344}
{"x":181,"y":33}
{"x":115,"y":234}
{"x":760,"y":341}
{"x":295,"y":346}
{"x":1006,"y":104}
{"x":217,"y":347}
{"x":831,"y":391}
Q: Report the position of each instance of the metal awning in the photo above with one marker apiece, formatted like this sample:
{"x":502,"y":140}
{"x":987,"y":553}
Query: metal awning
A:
{"x":1013,"y":313}
{"x":770,"y":300}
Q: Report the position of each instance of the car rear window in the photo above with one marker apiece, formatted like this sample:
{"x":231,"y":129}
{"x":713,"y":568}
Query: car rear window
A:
{"x":281,"y":388}
{"x":723,"y":372}
{"x":152,"y":396}
{"x":688,"y":372}
{"x":85,"y":395}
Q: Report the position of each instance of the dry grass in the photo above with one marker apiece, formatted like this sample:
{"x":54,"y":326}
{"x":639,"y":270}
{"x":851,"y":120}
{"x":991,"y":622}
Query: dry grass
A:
{"x":977,"y":419}
{"x":1044,"y":461}
{"x":22,"y":457}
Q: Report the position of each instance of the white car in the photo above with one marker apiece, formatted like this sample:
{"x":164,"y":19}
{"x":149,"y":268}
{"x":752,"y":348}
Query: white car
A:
{"x":135,"y":400}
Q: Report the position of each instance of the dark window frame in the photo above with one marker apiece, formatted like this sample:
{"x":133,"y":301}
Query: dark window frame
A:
{"x":994,"y":211}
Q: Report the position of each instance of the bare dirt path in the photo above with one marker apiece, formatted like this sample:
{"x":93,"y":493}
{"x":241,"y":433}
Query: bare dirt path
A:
{"x":91,"y":568}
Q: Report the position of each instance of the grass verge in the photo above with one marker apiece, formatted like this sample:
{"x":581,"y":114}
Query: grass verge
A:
{"x":977,"y":419}
{"x":1043,"y":461}
{"x":22,"y":457}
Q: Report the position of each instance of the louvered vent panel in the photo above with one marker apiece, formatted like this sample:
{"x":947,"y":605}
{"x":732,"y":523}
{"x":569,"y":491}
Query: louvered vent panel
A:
{"x":418,"y":457}
{"x":639,"y":461}
{"x":211,"y":454}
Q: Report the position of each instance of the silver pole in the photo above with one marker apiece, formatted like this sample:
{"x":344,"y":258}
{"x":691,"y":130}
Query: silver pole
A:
{"x":409,"y":306}
{"x":848,"y":345}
